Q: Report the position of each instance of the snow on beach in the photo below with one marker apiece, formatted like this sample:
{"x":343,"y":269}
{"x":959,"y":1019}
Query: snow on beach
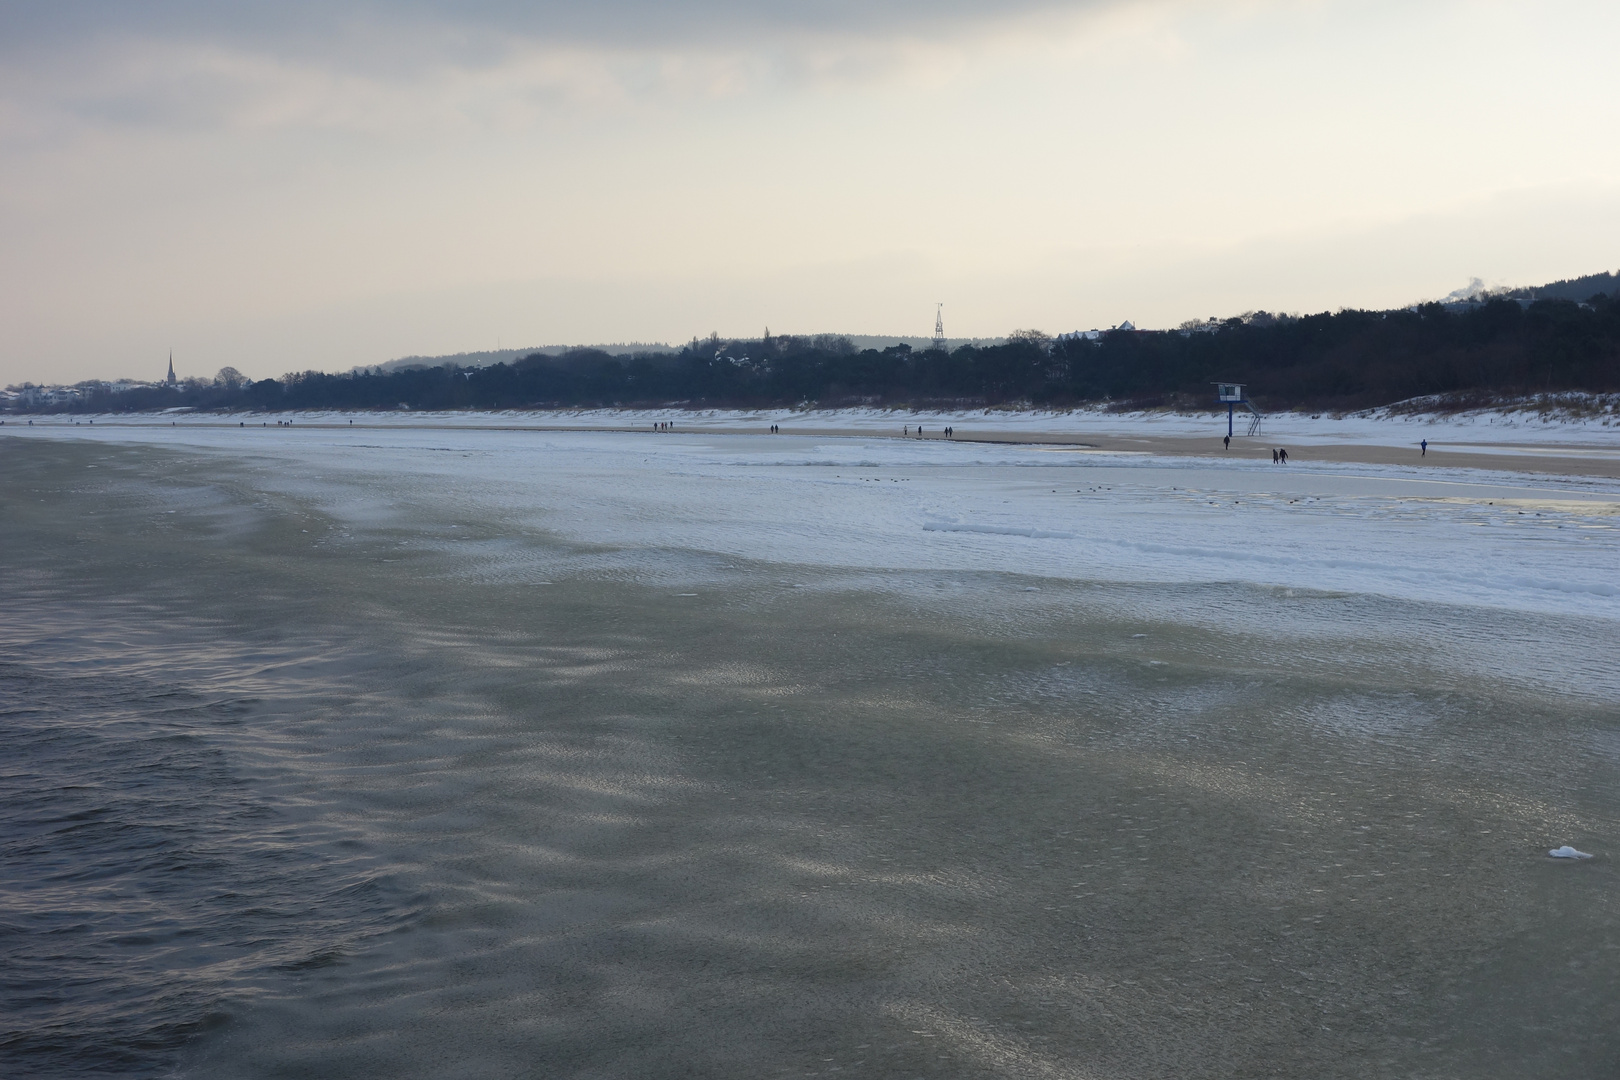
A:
{"x":1578,"y":424}
{"x":1450,"y":535}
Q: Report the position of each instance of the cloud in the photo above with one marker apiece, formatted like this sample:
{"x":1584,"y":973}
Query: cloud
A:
{"x":423,"y":65}
{"x":470,"y":26}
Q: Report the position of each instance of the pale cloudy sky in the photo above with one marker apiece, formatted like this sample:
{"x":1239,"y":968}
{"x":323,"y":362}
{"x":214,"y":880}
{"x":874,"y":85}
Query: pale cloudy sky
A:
{"x":290,"y":185}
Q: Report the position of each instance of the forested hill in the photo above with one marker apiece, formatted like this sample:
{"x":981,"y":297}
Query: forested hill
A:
{"x":1347,"y":360}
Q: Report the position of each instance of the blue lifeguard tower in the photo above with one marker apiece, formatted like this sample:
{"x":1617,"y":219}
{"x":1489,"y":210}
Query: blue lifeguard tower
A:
{"x":1231,"y":395}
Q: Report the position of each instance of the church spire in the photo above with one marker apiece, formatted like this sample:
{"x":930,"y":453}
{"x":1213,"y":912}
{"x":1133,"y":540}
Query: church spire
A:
{"x":170,"y":380}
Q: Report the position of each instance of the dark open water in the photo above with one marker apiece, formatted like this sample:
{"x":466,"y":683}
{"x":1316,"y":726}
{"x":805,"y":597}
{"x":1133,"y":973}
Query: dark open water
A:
{"x":273,"y":806}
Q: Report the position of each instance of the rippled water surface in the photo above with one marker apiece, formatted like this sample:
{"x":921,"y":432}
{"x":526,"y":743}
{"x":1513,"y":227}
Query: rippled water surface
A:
{"x":349,"y":777}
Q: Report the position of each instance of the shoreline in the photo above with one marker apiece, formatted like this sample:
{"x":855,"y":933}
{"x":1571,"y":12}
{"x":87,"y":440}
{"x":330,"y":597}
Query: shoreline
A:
{"x":1491,"y":442}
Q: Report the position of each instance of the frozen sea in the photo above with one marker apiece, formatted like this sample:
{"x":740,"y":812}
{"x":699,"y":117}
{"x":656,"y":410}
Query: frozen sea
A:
{"x":452,"y":749}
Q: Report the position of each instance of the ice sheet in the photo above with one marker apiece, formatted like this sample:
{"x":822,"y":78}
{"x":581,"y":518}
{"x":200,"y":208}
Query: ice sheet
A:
{"x":1460,"y":536}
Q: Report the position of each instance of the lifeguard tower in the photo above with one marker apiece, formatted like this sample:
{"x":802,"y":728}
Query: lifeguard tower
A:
{"x":1231,"y":395}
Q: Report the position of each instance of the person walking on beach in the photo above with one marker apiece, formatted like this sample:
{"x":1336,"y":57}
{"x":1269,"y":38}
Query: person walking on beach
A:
{"x":1282,"y":455}
{"x":1227,"y":440}
{"x":1274,"y":457}
{"x":1425,"y":445}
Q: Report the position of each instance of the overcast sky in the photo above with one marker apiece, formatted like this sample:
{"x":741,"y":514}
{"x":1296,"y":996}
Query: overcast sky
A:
{"x":291,"y":185}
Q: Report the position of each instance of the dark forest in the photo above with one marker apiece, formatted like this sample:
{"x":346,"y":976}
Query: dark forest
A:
{"x":1331,"y":362}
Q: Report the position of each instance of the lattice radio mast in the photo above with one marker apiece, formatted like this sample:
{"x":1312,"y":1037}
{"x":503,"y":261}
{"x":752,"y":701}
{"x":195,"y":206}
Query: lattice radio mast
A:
{"x":939,"y":327}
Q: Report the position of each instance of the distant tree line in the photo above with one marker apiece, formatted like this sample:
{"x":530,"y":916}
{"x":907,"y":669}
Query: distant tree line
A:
{"x":1332,"y":361}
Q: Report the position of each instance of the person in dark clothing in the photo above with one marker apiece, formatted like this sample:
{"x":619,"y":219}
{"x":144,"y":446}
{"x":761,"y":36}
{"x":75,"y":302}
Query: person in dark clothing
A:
{"x":1282,"y":455}
{"x":1425,"y":445}
{"x":1274,"y":457}
{"x":1227,"y":439}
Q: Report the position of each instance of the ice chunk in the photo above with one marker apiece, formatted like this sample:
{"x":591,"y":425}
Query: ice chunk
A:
{"x":1567,"y":852}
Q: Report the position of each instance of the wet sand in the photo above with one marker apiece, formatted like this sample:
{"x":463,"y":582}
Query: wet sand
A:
{"x":1521,"y":458}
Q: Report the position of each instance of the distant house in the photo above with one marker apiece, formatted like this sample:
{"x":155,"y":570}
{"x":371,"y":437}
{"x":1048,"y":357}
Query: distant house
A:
{"x":1093,"y":335}
{"x":46,"y":397}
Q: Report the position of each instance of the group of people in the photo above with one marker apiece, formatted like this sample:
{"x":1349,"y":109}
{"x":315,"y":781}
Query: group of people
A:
{"x":664,"y":425}
{"x":1278,"y":456}
{"x":948,"y":432}
{"x":775,"y":430}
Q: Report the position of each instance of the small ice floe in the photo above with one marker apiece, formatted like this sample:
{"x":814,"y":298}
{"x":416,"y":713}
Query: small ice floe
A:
{"x":1032,"y":588}
{"x":1138,"y":635}
{"x":1567,"y":852}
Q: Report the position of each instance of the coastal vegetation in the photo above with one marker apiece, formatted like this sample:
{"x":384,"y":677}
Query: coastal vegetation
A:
{"x":1336,"y":361}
